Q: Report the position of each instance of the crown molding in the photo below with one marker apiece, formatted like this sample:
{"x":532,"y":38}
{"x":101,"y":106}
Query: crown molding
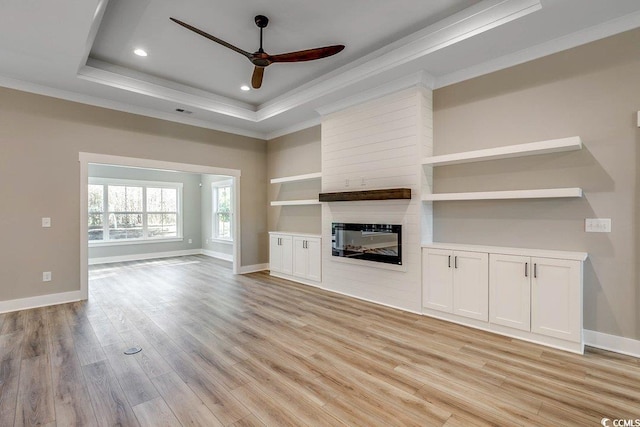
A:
{"x":420,"y":79}
{"x":121,"y":106}
{"x":474,"y":20}
{"x":116,"y":77}
{"x":597,"y":32}
{"x":294,"y":128}
{"x":469,"y":22}
{"x":101,"y":7}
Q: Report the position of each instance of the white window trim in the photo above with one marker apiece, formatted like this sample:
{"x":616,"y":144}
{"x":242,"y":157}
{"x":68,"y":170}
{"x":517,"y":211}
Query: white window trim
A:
{"x":214,"y":186}
{"x":144,"y":184}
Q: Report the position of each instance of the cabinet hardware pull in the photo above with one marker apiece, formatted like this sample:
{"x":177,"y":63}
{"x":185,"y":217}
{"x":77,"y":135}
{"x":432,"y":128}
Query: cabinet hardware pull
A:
{"x":526,"y":269}
{"x":455,"y":261}
{"x":449,"y":261}
{"x":535,"y":270}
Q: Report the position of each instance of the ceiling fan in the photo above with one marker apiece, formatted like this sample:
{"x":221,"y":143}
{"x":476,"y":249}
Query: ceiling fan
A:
{"x":260,"y":59}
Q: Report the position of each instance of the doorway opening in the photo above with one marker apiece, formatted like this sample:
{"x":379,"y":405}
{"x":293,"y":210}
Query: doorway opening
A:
{"x":135,"y":209}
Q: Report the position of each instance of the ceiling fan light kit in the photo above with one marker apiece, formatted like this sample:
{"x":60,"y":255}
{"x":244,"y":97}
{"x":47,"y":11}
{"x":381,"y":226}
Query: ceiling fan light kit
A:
{"x":260,"y":59}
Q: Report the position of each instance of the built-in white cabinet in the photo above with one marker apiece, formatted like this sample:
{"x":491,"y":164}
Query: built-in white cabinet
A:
{"x":535,"y":295}
{"x":556,"y":298}
{"x":510,"y":291}
{"x":541,"y":295}
{"x":456,"y":282}
{"x":306,"y":258}
{"x":281,"y":253}
{"x":295,"y":256}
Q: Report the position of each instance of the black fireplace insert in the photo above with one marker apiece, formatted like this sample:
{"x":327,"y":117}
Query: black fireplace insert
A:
{"x":370,"y":242}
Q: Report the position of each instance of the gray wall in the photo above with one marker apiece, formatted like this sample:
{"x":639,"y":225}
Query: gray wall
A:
{"x":40,"y":138}
{"x":294,"y":154}
{"x":592,"y":91}
{"x":191,"y":210}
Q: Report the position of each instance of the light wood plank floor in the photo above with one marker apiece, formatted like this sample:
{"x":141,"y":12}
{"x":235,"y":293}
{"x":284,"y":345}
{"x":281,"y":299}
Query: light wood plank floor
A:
{"x":224,"y":350}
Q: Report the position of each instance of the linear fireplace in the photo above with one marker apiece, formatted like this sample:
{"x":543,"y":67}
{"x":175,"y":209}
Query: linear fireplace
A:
{"x":370,"y":242}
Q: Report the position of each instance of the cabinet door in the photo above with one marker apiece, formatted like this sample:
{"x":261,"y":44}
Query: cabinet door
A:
{"x":471,"y":285}
{"x":314,"y":252}
{"x":510,"y":291}
{"x":286,"y":243}
{"x":275,"y":253}
{"x":437,"y":279}
{"x":300,"y":257}
{"x":556,"y":298}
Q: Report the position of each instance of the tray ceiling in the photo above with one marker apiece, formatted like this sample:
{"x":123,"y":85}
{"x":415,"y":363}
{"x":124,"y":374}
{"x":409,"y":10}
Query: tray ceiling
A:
{"x":83,"y":50}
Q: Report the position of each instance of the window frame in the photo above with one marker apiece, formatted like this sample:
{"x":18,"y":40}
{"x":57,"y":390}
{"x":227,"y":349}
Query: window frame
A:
{"x":215,"y":186}
{"x":105,"y":182}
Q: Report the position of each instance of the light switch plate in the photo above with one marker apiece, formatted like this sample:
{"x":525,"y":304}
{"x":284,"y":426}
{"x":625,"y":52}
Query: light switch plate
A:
{"x":46,"y":222}
{"x":597,"y":225}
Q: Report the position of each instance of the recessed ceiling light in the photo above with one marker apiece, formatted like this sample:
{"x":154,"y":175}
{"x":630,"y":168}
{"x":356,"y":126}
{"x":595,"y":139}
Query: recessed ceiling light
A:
{"x":245,"y":88}
{"x":140,"y":52}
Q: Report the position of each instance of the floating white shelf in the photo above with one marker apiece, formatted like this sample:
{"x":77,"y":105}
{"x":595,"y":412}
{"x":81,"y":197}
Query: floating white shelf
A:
{"x":295,"y":202}
{"x":514,"y":194}
{"x":295,"y":178}
{"x":520,"y":150}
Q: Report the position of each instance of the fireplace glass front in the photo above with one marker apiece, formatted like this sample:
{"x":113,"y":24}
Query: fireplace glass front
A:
{"x":370,"y":242}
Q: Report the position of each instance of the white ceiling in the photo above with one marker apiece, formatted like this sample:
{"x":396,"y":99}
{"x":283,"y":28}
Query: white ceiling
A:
{"x":82,"y":50}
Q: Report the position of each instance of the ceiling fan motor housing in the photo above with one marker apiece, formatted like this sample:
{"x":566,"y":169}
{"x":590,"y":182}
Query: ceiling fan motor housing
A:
{"x":261,"y":21}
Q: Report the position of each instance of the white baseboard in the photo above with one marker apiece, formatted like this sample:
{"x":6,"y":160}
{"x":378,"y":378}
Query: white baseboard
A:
{"x":39,"y":301}
{"x":372,"y":301}
{"x":296,"y":279}
{"x":219,"y":255}
{"x":139,"y":257}
{"x":614,"y":343}
{"x":253,"y":268}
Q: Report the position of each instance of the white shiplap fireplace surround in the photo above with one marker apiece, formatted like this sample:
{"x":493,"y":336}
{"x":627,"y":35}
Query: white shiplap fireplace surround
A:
{"x":377,"y":145}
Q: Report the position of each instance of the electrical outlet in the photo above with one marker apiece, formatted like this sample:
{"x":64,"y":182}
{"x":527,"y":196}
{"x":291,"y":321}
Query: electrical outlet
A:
{"x":46,"y":222}
{"x":346,"y":182}
{"x":46,"y":276}
{"x":190,"y":241}
{"x":206,"y":241}
{"x":597,"y":225}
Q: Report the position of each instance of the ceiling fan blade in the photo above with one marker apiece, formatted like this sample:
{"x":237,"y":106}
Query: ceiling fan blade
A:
{"x":307,"y":55}
{"x":210,"y":37}
{"x":256,"y":79}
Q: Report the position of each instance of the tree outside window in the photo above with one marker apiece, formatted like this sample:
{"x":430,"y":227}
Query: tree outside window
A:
{"x":222,"y":210}
{"x":122,"y":210}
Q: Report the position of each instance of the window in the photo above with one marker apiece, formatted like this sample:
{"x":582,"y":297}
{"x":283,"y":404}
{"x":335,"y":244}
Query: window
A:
{"x":124,"y":210}
{"x":222,"y":210}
